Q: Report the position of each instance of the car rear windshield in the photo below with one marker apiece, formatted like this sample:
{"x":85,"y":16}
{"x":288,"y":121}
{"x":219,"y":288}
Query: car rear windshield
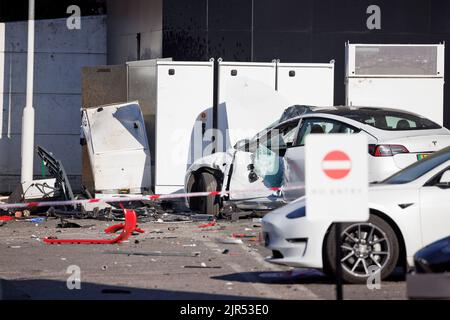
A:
{"x":419,"y":168}
{"x":391,"y":120}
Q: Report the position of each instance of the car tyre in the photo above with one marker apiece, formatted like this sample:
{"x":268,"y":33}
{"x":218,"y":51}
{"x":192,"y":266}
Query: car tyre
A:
{"x":192,"y":186}
{"x":204,"y":182}
{"x":377,"y":241}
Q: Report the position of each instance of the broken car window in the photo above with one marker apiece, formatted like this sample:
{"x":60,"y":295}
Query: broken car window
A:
{"x":317,"y":126}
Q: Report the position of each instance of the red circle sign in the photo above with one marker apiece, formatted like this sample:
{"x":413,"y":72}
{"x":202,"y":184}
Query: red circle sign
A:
{"x":336,"y":165}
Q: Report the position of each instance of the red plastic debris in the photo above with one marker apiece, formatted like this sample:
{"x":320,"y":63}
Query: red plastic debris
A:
{"x":242,"y":235}
{"x":208,"y":225}
{"x":6,"y":218}
{"x":127,"y":230}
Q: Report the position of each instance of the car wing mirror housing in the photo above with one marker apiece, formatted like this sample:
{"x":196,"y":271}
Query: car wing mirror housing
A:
{"x":444,"y":181}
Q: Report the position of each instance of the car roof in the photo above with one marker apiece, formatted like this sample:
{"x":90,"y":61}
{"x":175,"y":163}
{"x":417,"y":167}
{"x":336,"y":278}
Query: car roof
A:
{"x":297,"y":111}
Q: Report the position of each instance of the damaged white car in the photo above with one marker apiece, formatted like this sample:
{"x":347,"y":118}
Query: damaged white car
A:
{"x":275,"y":156}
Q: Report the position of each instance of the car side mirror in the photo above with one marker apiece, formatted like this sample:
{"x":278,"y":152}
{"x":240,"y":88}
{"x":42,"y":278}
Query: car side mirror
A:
{"x":444,"y":181}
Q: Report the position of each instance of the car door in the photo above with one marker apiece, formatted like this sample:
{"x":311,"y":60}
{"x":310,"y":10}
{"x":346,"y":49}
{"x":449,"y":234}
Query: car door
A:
{"x":435,"y":208}
{"x":259,"y":167}
{"x":294,"y":159}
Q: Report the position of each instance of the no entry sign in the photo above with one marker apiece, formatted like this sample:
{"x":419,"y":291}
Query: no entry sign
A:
{"x":336,"y":164}
{"x":336,"y":177}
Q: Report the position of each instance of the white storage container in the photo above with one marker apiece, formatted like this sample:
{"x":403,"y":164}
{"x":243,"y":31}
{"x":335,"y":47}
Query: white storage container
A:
{"x":118,"y":148}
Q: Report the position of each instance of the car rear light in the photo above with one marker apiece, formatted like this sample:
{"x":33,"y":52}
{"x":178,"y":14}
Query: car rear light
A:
{"x":386,"y":150}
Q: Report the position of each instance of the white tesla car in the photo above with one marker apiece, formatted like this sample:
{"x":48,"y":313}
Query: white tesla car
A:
{"x":275,"y":157}
{"x":408,"y":210}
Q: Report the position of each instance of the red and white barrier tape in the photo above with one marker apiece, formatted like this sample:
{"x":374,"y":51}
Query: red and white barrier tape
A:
{"x":137,"y":198}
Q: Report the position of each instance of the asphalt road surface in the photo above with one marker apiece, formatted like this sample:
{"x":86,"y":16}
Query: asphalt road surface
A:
{"x":168,"y":261}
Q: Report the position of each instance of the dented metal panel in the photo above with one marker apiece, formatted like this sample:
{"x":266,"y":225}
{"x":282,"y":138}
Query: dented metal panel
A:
{"x":118,"y":148}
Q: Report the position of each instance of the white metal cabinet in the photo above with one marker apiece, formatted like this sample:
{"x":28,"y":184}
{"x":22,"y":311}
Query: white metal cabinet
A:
{"x":118,"y":148}
{"x":184,"y":112}
{"x":306,"y":83}
{"x":253,"y":95}
{"x":408,"y":77}
{"x":247,"y":100}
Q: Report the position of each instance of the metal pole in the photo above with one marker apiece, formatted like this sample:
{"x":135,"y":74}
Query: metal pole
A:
{"x":339,"y":293}
{"x":28,"y":111}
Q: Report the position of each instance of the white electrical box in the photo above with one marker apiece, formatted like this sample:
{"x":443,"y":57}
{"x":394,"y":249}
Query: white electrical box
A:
{"x":247,"y":100}
{"x":306,"y":83}
{"x":408,"y":77}
{"x":252,"y":95}
{"x":184,"y":114}
{"x":118,"y":148}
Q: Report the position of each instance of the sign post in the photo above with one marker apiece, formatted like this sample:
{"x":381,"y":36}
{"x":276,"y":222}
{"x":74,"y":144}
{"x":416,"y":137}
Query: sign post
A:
{"x":336,"y":179}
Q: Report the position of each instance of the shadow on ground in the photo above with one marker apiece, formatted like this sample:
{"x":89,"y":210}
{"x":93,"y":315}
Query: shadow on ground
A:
{"x":57,"y":290}
{"x":296,"y":276}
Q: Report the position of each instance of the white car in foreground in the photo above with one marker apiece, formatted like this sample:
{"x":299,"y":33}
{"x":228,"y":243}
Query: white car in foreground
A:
{"x":408,"y":210}
{"x":396,"y":139}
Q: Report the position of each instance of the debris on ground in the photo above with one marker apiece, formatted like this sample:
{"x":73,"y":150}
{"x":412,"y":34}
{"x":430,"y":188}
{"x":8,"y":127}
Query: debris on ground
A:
{"x":243,"y":235}
{"x":36,"y":220}
{"x":6,"y":218}
{"x":230,"y":240}
{"x":202,"y":266}
{"x":165,"y":237}
{"x":157,"y":253}
{"x":208,"y":225}
{"x":68,"y":225}
{"x":202,"y":217}
{"x":127,"y":228}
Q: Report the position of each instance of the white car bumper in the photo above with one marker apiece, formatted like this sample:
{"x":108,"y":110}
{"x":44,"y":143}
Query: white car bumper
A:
{"x":294,"y":242}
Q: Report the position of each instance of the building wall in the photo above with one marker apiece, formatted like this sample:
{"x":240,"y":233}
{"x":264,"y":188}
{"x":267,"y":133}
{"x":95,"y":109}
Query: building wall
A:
{"x":299,"y":30}
{"x":129,"y":20}
{"x":60,"y":55}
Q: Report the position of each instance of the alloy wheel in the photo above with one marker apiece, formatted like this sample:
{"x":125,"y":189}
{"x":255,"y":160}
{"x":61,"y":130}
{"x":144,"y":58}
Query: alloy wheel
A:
{"x":365,"y":248}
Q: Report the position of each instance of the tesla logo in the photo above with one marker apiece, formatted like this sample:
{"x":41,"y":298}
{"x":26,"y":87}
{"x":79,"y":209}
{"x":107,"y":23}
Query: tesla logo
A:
{"x":336,"y":165}
{"x":434,"y":143}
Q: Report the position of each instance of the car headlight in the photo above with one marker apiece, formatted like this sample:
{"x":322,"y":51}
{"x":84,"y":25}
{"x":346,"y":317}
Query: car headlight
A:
{"x":297,"y":213}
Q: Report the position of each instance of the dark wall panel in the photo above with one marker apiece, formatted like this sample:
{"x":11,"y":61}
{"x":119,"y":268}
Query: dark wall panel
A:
{"x":184,"y":14}
{"x":185,"y":45}
{"x":440,"y":16}
{"x":286,"y":46}
{"x":299,"y":30}
{"x":230,"y":45}
{"x":229,"y":14}
{"x":283,"y":15}
{"x":403,"y":16}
